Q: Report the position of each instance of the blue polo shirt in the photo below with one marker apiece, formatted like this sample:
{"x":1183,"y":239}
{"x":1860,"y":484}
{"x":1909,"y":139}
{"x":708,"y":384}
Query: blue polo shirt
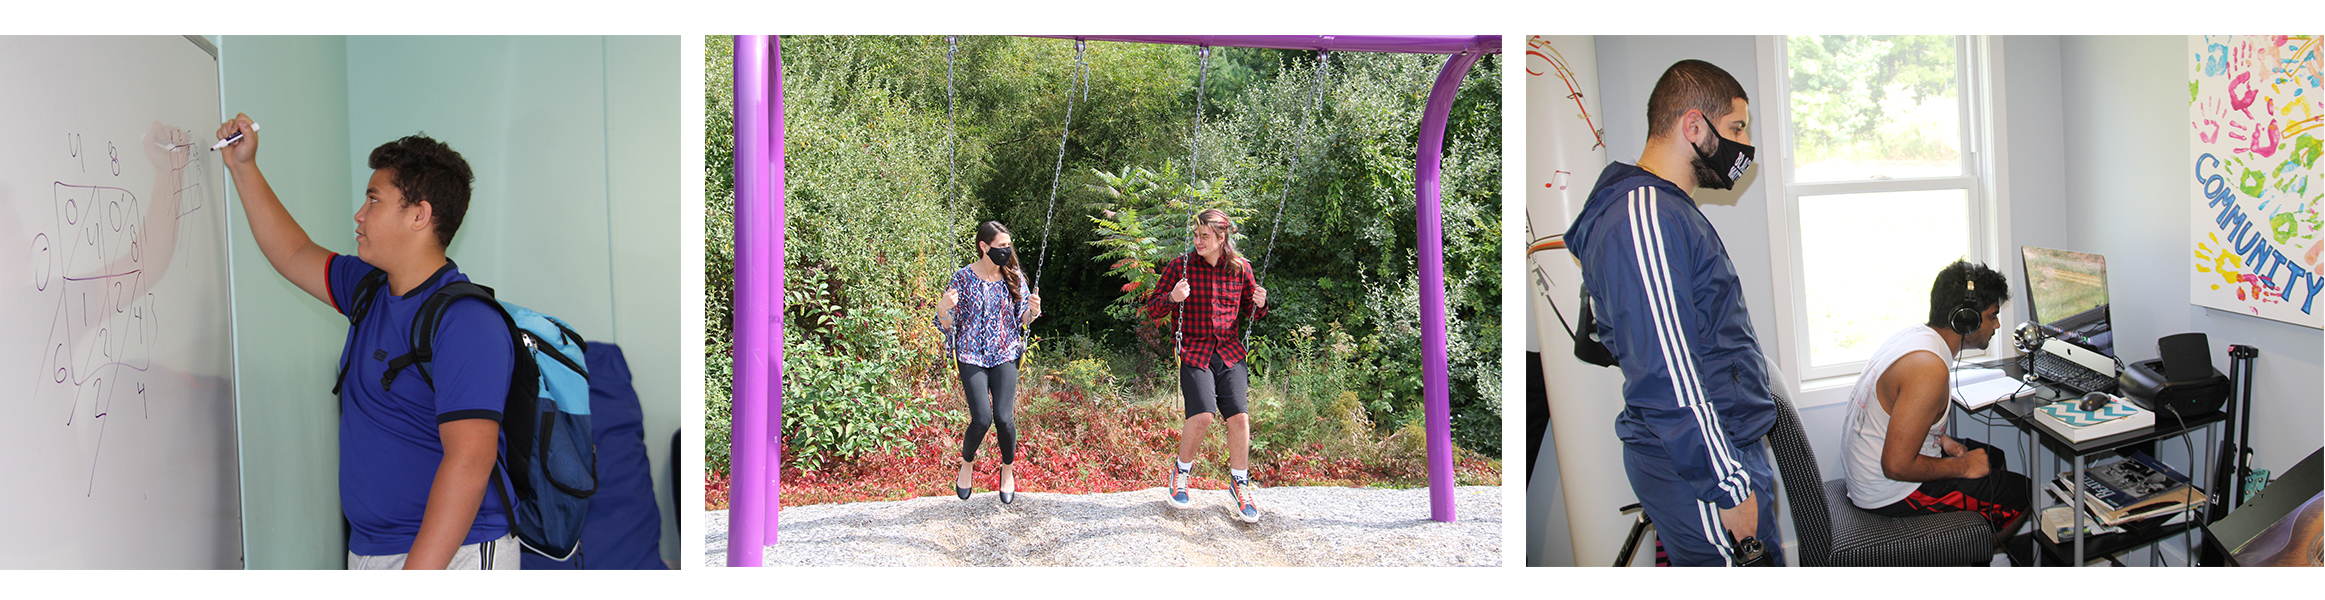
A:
{"x":389,"y":447}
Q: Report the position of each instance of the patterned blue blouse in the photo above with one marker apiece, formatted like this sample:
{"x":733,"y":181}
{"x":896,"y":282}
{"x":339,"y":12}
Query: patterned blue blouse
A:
{"x":987,"y":326}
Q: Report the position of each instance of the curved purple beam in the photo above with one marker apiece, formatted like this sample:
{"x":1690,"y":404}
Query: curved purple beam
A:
{"x":1408,"y":44}
{"x":751,"y":484}
{"x":1436,"y":400}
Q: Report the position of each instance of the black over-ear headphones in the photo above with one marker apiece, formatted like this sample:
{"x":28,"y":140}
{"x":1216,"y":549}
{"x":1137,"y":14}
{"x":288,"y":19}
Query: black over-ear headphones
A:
{"x":1966,"y":318}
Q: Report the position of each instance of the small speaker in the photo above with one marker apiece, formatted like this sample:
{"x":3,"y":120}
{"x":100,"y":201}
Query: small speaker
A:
{"x":2187,"y":356}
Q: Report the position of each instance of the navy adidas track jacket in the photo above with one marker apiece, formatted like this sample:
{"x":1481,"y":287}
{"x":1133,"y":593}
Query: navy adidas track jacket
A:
{"x":1671,"y":310}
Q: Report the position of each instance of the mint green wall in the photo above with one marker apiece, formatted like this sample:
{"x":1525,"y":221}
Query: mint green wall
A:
{"x":642,"y":78}
{"x":287,"y":344}
{"x":574,"y":141}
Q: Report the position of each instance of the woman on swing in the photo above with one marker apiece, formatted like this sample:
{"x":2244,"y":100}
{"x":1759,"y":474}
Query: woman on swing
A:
{"x":1208,"y":291}
{"x":984,"y":310}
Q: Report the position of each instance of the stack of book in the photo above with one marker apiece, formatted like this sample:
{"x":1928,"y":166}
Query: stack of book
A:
{"x":2132,"y":488}
{"x":2075,"y":424}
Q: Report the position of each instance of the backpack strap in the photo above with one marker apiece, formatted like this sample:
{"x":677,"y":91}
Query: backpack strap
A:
{"x":1587,"y":346}
{"x":366,"y":291}
{"x":423,"y":338}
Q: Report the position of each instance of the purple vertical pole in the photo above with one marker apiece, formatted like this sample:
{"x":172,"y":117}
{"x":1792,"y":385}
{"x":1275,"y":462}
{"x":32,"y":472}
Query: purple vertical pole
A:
{"x":1436,"y":401}
{"x":746,"y":495}
{"x":770,"y":304}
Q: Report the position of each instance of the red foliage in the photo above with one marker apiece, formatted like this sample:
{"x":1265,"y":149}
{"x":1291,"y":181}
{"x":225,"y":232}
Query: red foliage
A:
{"x":714,"y":490}
{"x":1071,"y":444}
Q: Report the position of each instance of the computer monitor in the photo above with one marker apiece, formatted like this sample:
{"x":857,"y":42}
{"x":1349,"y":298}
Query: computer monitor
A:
{"x":2067,"y":297}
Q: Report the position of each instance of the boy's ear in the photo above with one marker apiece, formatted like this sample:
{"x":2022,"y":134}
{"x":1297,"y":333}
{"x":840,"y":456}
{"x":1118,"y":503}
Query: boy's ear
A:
{"x":423,"y":215}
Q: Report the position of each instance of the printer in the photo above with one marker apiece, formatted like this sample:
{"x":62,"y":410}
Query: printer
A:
{"x":2182,"y":382}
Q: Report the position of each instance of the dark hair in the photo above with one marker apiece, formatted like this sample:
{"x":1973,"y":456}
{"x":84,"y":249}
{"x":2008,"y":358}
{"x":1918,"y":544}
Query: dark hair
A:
{"x":428,"y":171}
{"x":1012,"y":275}
{"x":1945,"y":294}
{"x":1691,"y":85}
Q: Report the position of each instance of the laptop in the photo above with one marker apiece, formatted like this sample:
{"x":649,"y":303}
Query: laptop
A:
{"x":2067,"y":297}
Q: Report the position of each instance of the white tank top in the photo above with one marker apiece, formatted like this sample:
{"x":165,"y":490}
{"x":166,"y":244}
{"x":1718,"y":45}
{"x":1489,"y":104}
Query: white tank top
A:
{"x":1868,"y":423}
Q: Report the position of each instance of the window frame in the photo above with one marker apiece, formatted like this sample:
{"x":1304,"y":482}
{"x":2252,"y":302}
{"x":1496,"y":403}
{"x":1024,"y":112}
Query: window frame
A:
{"x":1984,"y":177}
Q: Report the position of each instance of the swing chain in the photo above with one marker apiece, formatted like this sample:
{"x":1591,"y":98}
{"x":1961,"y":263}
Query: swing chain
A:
{"x":1323,"y":70}
{"x":952,"y":154}
{"x":1057,"y":171}
{"x":952,"y":162}
{"x":1202,"y":88}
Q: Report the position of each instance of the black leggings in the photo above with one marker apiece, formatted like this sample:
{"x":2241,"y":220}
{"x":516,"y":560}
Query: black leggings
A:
{"x":992,"y":392}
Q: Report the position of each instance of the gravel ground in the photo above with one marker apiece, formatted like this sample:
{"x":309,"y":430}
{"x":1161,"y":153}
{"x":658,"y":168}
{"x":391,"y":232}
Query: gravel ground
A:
{"x":1300,"y":526}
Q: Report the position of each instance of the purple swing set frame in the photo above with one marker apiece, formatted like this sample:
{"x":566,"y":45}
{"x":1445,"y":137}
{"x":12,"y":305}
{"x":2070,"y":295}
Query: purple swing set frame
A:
{"x":755,"y":488}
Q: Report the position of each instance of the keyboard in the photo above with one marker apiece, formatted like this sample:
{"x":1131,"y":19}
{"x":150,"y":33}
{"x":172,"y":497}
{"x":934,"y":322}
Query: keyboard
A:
{"x":2067,"y":374}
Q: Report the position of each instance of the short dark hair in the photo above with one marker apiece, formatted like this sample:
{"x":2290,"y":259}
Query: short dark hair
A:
{"x":1945,"y":294}
{"x":428,"y":171}
{"x":1691,"y":85}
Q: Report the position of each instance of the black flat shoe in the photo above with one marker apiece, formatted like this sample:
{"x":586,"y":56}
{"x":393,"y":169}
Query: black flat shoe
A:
{"x":1008,"y":495}
{"x":964,"y":493}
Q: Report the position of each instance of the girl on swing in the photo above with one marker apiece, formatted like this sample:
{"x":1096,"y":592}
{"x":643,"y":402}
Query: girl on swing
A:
{"x":1207,"y":291}
{"x":984,"y":310}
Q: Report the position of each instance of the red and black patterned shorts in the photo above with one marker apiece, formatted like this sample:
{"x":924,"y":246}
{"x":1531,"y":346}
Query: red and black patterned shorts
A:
{"x":1999,"y":496}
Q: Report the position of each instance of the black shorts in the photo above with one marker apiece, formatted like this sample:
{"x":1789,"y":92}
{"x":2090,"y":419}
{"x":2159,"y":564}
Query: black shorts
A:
{"x":1218,"y":389}
{"x":1999,"y":496}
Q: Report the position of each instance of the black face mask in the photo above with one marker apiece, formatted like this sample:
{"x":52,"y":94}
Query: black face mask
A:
{"x":1719,"y":169}
{"x":1000,"y":256}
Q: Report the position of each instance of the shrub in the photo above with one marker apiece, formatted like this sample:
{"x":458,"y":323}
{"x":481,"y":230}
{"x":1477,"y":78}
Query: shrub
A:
{"x":840,"y":394}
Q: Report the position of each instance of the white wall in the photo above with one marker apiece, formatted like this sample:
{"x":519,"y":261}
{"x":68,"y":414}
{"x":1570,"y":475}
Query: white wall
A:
{"x":2127,"y":198}
{"x":287,"y":344}
{"x":574,"y":142}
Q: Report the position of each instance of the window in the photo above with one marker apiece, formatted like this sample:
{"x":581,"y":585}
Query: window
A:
{"x":1878,"y":178}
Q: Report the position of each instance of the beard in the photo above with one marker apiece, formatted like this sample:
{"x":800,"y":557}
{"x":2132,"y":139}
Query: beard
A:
{"x":1705,"y":175}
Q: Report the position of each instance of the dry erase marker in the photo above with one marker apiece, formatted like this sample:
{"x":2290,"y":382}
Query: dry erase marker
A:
{"x":228,"y":141}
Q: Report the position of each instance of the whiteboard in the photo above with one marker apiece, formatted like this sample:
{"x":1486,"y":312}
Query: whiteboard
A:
{"x":117,"y":436}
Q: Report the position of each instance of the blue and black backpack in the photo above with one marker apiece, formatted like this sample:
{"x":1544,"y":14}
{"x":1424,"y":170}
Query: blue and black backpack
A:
{"x":550,"y":468}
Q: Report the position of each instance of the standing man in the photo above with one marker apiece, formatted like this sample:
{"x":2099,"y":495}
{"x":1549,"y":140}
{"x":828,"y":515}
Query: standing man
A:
{"x":1899,"y":464}
{"x":1695,"y":386}
{"x":415,"y":452}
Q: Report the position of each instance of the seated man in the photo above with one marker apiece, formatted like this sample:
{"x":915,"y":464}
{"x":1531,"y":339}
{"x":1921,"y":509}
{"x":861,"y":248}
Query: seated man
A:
{"x":1899,"y":465}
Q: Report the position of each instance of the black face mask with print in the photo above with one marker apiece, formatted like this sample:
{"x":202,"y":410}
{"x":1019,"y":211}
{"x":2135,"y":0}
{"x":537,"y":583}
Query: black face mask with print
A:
{"x":1720,"y":168}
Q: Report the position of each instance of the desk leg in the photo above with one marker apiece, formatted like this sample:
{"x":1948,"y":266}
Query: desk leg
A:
{"x":2034,"y":468}
{"x":2076,"y":491}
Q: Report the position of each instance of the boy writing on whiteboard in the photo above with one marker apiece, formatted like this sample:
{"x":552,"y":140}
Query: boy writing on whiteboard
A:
{"x":415,"y":456}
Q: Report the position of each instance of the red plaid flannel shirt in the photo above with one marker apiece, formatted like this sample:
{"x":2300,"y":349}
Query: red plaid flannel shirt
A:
{"x":1217,"y":296}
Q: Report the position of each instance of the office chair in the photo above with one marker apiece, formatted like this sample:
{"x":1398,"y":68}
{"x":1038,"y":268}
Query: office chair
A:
{"x":1833,"y":532}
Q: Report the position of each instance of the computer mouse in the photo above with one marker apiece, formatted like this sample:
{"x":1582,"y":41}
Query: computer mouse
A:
{"x":2093,"y":401}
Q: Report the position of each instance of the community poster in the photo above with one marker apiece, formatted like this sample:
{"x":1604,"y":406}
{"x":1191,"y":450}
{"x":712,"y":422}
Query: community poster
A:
{"x":2257,"y":108}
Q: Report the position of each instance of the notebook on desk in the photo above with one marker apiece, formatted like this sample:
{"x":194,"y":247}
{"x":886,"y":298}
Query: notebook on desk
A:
{"x":1978,"y":388}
